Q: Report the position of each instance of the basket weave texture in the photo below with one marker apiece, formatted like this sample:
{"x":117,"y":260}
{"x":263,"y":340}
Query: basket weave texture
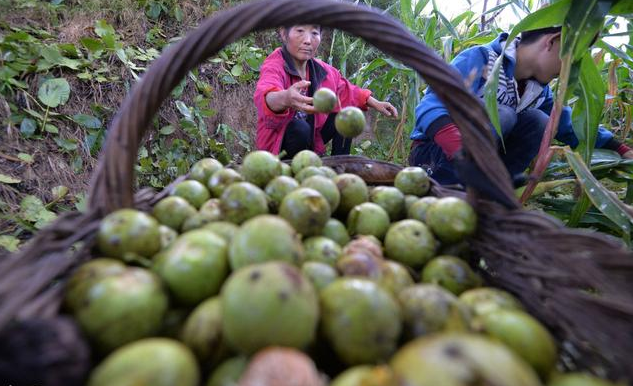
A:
{"x":579,"y":283}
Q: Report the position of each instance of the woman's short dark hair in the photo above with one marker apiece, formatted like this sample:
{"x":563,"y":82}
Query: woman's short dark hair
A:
{"x":287,"y":27}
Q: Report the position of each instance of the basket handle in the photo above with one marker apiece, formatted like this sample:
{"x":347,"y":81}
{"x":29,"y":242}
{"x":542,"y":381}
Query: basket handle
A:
{"x":112,"y":185}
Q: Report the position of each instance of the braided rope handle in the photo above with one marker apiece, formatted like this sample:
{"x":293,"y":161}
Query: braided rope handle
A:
{"x":112,"y":185}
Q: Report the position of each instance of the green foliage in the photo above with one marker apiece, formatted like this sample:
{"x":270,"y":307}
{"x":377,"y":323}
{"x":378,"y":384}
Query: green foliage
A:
{"x":8,"y":179}
{"x":10,"y":243}
{"x":588,"y":18}
{"x":32,"y":215}
{"x":171,"y":157}
{"x":588,"y":108}
{"x":240,"y":62}
{"x":606,"y":166}
{"x":54,"y":92}
{"x":27,"y":52}
{"x":563,"y":206}
{"x":602,"y":199}
{"x":590,"y":93}
{"x":33,"y":211}
{"x":38,"y":81}
{"x":155,"y":9}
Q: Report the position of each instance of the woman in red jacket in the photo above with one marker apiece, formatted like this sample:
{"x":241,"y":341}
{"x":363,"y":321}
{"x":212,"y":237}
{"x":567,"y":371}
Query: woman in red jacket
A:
{"x":286,"y":119}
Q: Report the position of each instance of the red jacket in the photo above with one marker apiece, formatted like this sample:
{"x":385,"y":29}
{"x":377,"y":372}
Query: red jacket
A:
{"x":277,"y":74}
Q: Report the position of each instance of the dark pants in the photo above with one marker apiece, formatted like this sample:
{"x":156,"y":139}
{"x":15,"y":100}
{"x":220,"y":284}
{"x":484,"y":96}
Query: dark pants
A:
{"x":299,"y":136}
{"x":522,"y":134}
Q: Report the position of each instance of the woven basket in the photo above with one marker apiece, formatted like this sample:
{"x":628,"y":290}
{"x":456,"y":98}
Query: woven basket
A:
{"x":579,"y":283}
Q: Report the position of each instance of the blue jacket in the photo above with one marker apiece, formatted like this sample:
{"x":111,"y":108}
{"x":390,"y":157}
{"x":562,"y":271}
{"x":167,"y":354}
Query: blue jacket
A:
{"x":480,"y":58}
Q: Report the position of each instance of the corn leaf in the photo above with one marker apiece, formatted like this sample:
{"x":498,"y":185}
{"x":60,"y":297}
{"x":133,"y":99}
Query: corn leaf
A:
{"x":406,"y":12}
{"x":562,"y":208}
{"x":497,"y":8}
{"x":582,"y":23}
{"x":544,"y":187}
{"x":622,"y":7}
{"x":429,"y":34}
{"x":476,"y":40}
{"x":588,"y":109}
{"x":615,"y":51}
{"x":466,"y":15}
{"x":419,"y":6}
{"x":601,"y":197}
{"x":445,"y":21}
{"x":579,"y":210}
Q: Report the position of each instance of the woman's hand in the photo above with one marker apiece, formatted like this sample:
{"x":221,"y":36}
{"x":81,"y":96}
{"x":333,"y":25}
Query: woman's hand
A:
{"x":385,"y":108}
{"x":296,"y":100}
{"x":292,"y":97}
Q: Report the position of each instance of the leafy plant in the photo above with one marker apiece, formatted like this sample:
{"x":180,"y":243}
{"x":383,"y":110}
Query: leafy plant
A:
{"x":240,"y":62}
{"x":27,"y":52}
{"x":32,"y":215}
{"x":154,"y":9}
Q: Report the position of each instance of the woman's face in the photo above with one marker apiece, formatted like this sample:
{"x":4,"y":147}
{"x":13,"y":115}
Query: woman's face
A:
{"x":302,"y":41}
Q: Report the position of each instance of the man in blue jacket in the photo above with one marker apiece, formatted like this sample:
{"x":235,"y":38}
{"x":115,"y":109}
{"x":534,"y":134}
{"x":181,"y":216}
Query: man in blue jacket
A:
{"x":525,"y":101}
